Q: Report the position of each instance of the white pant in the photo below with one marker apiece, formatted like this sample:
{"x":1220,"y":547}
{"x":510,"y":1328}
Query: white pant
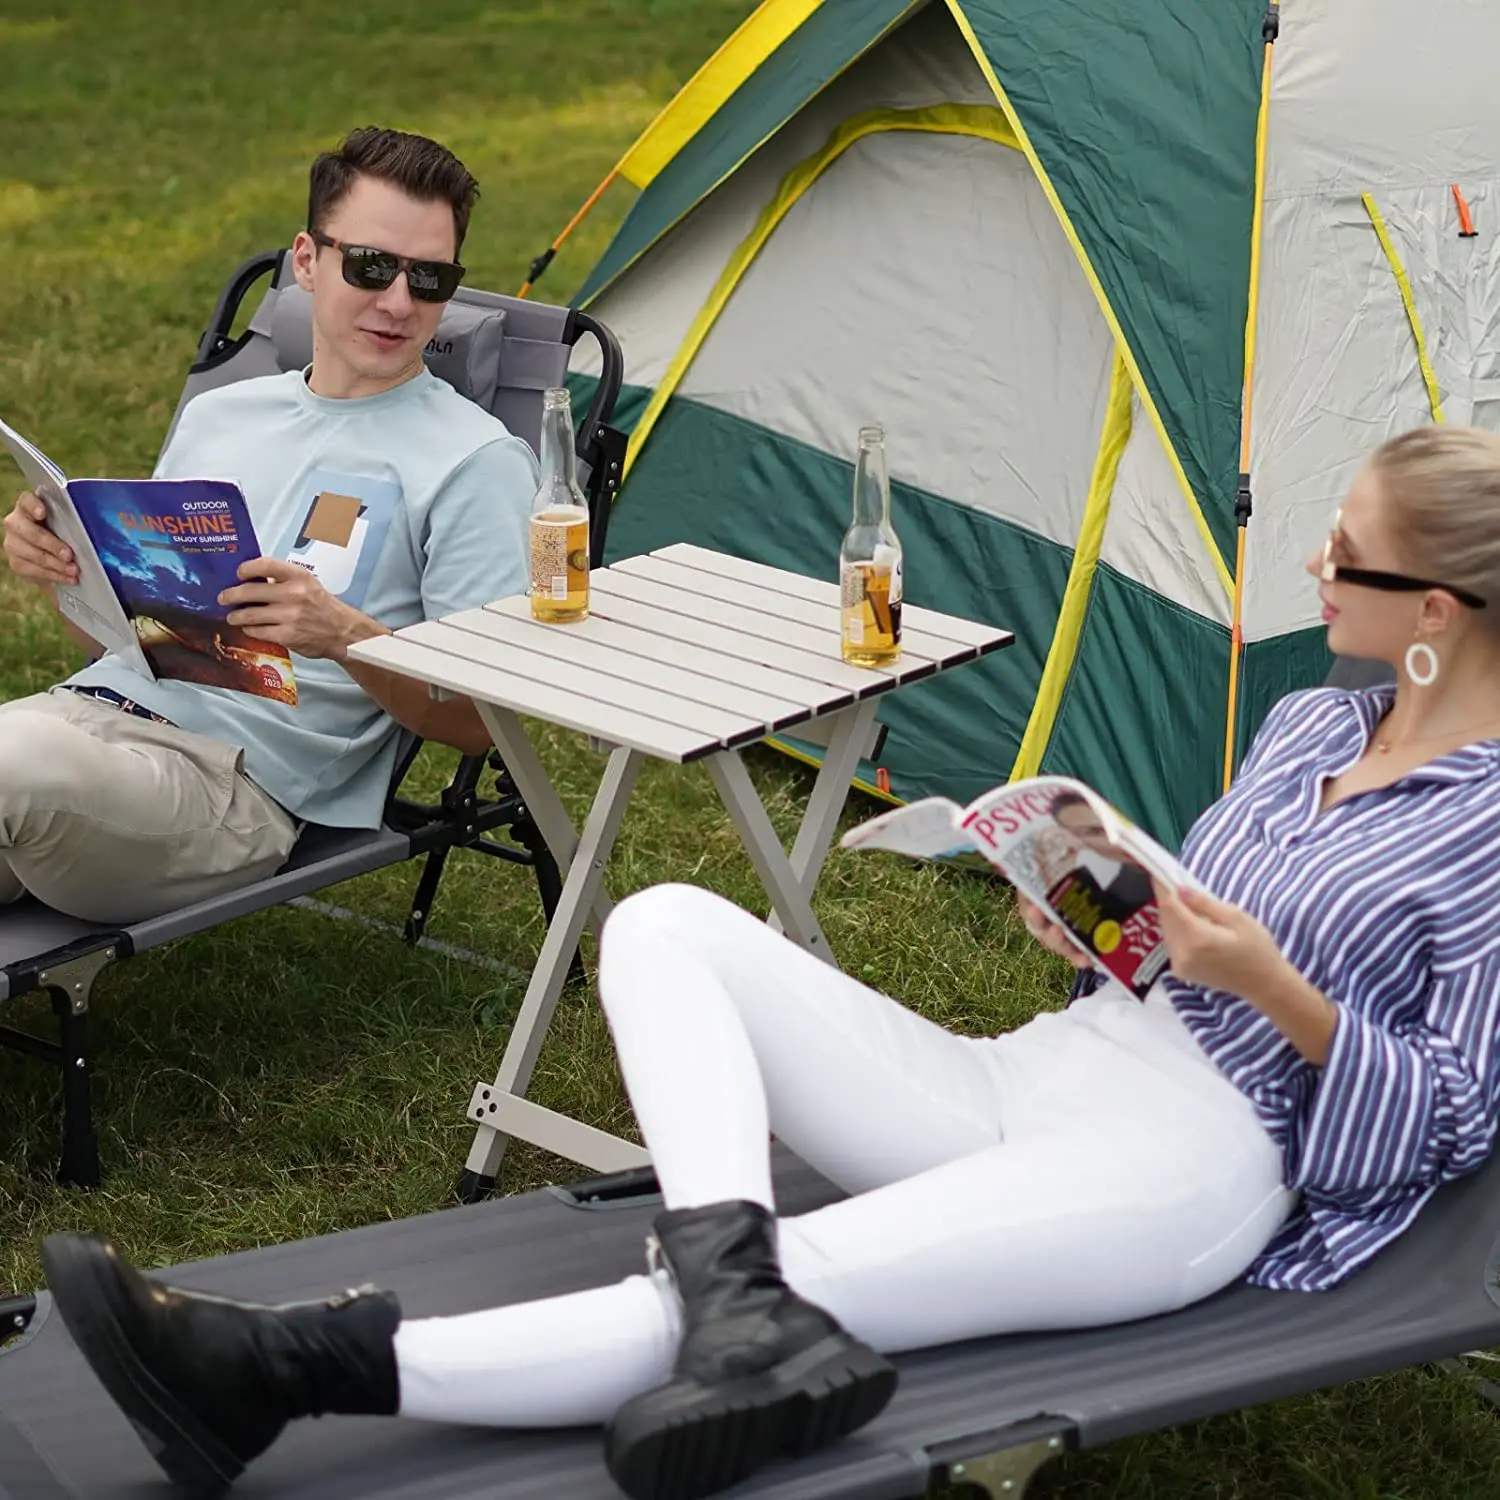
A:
{"x":1090,"y":1167}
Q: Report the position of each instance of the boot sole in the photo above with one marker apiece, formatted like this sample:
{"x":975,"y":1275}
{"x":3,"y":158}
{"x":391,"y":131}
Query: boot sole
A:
{"x":84,"y":1292}
{"x":687,"y":1440}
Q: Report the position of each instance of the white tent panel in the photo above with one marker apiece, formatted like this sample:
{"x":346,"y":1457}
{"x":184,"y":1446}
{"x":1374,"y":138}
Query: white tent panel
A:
{"x":923,"y":282}
{"x":651,"y":307}
{"x":1384,"y":93}
{"x":1151,"y":535}
{"x":1336,"y":375}
{"x":1455,"y":286}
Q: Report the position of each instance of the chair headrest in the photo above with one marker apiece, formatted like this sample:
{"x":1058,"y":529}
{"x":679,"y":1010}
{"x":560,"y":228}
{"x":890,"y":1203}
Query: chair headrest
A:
{"x":465,"y":351}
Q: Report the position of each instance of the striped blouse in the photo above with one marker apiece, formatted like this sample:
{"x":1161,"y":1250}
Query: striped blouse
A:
{"x":1389,"y":903}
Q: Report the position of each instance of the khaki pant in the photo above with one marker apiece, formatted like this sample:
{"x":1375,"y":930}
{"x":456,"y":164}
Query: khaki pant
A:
{"x":114,"y":818}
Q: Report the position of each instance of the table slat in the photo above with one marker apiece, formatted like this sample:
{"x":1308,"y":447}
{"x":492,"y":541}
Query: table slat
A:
{"x":586,"y":684}
{"x":569,"y":643}
{"x":742,"y":618}
{"x":808,"y":691}
{"x":821,"y":614}
{"x":665,"y":741}
{"x":830,"y":668}
{"x":752,"y":596}
{"x":819,"y":591}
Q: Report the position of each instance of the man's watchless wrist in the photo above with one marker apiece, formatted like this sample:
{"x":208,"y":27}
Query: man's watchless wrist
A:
{"x":357,"y":627}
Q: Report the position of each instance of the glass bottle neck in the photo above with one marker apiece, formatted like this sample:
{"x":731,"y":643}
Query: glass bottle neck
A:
{"x":559,"y":467}
{"x":872,"y":490}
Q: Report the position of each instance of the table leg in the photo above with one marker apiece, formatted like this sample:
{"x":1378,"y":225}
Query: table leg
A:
{"x":788,"y":881}
{"x":499,"y":1106}
{"x":851,"y":732}
{"x":788,"y":899}
{"x":542,"y":801}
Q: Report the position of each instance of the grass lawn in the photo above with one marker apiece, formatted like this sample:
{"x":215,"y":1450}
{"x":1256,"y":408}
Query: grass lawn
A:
{"x":289,"y":1075}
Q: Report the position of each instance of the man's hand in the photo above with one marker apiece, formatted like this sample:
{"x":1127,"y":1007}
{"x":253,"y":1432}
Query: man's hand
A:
{"x":1051,"y":935}
{"x":31,"y":549}
{"x":284,"y":603}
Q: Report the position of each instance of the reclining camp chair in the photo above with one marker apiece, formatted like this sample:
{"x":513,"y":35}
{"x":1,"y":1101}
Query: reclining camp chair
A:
{"x":987,"y":1412}
{"x":499,"y":352}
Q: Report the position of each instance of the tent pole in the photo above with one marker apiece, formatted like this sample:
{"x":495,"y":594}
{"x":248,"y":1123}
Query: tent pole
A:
{"x":1270,"y":29}
{"x":544,"y":260}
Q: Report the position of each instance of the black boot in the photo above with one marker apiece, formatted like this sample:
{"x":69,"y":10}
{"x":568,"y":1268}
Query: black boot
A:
{"x":208,"y":1383}
{"x":760,"y":1373}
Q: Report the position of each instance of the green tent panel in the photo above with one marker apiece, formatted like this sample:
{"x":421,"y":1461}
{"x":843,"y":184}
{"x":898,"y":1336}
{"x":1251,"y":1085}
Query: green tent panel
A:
{"x":1021,"y":235}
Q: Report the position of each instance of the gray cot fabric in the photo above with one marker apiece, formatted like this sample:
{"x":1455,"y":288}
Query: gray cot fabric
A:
{"x":1425,"y":1298}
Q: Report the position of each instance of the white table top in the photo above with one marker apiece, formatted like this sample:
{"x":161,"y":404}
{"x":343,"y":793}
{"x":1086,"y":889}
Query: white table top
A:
{"x":685,"y":652}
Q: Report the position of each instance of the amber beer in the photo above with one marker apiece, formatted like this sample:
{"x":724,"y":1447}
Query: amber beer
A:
{"x":870,"y":563}
{"x":872,"y":616}
{"x":559,"y":522}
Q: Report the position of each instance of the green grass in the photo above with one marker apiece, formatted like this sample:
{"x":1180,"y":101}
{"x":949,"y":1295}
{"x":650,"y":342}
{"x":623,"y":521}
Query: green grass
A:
{"x":288,"y":1075}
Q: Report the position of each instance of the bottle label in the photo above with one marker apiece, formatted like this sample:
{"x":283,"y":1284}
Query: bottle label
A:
{"x":870,"y":598}
{"x":560,"y":556}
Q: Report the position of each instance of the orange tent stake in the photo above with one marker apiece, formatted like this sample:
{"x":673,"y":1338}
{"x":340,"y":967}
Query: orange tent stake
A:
{"x":1466,"y":229}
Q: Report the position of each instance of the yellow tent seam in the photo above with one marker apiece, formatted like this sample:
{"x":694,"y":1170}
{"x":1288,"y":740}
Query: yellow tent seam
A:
{"x":657,"y":238}
{"x":1063,"y":652}
{"x":701,"y":97}
{"x":1221,"y":570}
{"x":979,"y":120}
{"x":1403,"y":281}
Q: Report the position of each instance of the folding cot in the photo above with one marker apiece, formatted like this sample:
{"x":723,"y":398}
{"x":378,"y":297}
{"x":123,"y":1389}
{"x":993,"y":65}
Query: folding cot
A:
{"x":988,"y":1412}
{"x":499,"y":352}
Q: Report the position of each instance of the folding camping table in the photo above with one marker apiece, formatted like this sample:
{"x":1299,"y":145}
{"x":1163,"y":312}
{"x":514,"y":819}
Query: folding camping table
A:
{"x":687,"y":655}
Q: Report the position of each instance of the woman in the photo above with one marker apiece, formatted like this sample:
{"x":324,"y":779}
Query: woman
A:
{"x":1320,"y":1060}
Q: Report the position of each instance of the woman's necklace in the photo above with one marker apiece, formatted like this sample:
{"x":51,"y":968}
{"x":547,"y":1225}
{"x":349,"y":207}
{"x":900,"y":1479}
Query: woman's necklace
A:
{"x":1384,"y":746}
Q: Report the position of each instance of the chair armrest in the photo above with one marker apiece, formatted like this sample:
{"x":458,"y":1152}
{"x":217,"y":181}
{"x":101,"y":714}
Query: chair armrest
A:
{"x":600,"y":446}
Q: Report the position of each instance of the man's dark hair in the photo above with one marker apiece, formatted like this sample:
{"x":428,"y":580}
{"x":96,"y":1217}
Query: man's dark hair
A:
{"x":421,"y":168}
{"x":1067,"y":798}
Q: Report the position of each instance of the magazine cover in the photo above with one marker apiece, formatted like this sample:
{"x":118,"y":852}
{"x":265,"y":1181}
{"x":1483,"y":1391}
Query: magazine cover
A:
{"x":169,"y":547}
{"x":1064,"y":847}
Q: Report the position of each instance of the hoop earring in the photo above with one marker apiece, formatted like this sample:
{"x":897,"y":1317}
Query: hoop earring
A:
{"x":1420,"y":651}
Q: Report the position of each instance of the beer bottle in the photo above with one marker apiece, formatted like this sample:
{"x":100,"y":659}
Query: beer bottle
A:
{"x":870,"y":563}
{"x":559,"y":522}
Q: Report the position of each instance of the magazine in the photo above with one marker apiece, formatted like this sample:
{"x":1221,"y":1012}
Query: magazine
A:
{"x":1064,"y":847}
{"x":153,"y":555}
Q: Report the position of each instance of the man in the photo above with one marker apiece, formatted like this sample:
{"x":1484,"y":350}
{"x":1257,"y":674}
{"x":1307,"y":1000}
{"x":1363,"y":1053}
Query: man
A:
{"x":120,"y":797}
{"x":1120,"y":883}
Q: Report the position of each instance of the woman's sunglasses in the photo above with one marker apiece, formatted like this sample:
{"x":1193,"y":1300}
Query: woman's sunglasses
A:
{"x":1391,"y":583}
{"x":373,"y":270}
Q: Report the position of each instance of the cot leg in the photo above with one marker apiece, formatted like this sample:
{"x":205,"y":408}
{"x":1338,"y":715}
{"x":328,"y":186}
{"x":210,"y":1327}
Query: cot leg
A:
{"x":70,"y":985}
{"x":1003,"y":1473}
{"x":1488,"y":1389}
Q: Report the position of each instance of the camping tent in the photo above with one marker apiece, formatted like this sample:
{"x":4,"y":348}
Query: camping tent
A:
{"x":1117,"y":278}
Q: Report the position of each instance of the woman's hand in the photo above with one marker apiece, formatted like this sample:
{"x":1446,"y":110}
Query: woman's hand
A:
{"x":1217,"y":945}
{"x":1051,"y":935}
{"x":1223,"y":948}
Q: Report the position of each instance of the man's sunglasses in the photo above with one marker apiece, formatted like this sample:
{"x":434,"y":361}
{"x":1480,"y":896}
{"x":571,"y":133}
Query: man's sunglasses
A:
{"x":1391,"y":583}
{"x":373,"y":270}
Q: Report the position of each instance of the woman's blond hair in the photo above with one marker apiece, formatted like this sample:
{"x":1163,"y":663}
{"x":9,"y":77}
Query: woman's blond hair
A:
{"x":1443,"y":486}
